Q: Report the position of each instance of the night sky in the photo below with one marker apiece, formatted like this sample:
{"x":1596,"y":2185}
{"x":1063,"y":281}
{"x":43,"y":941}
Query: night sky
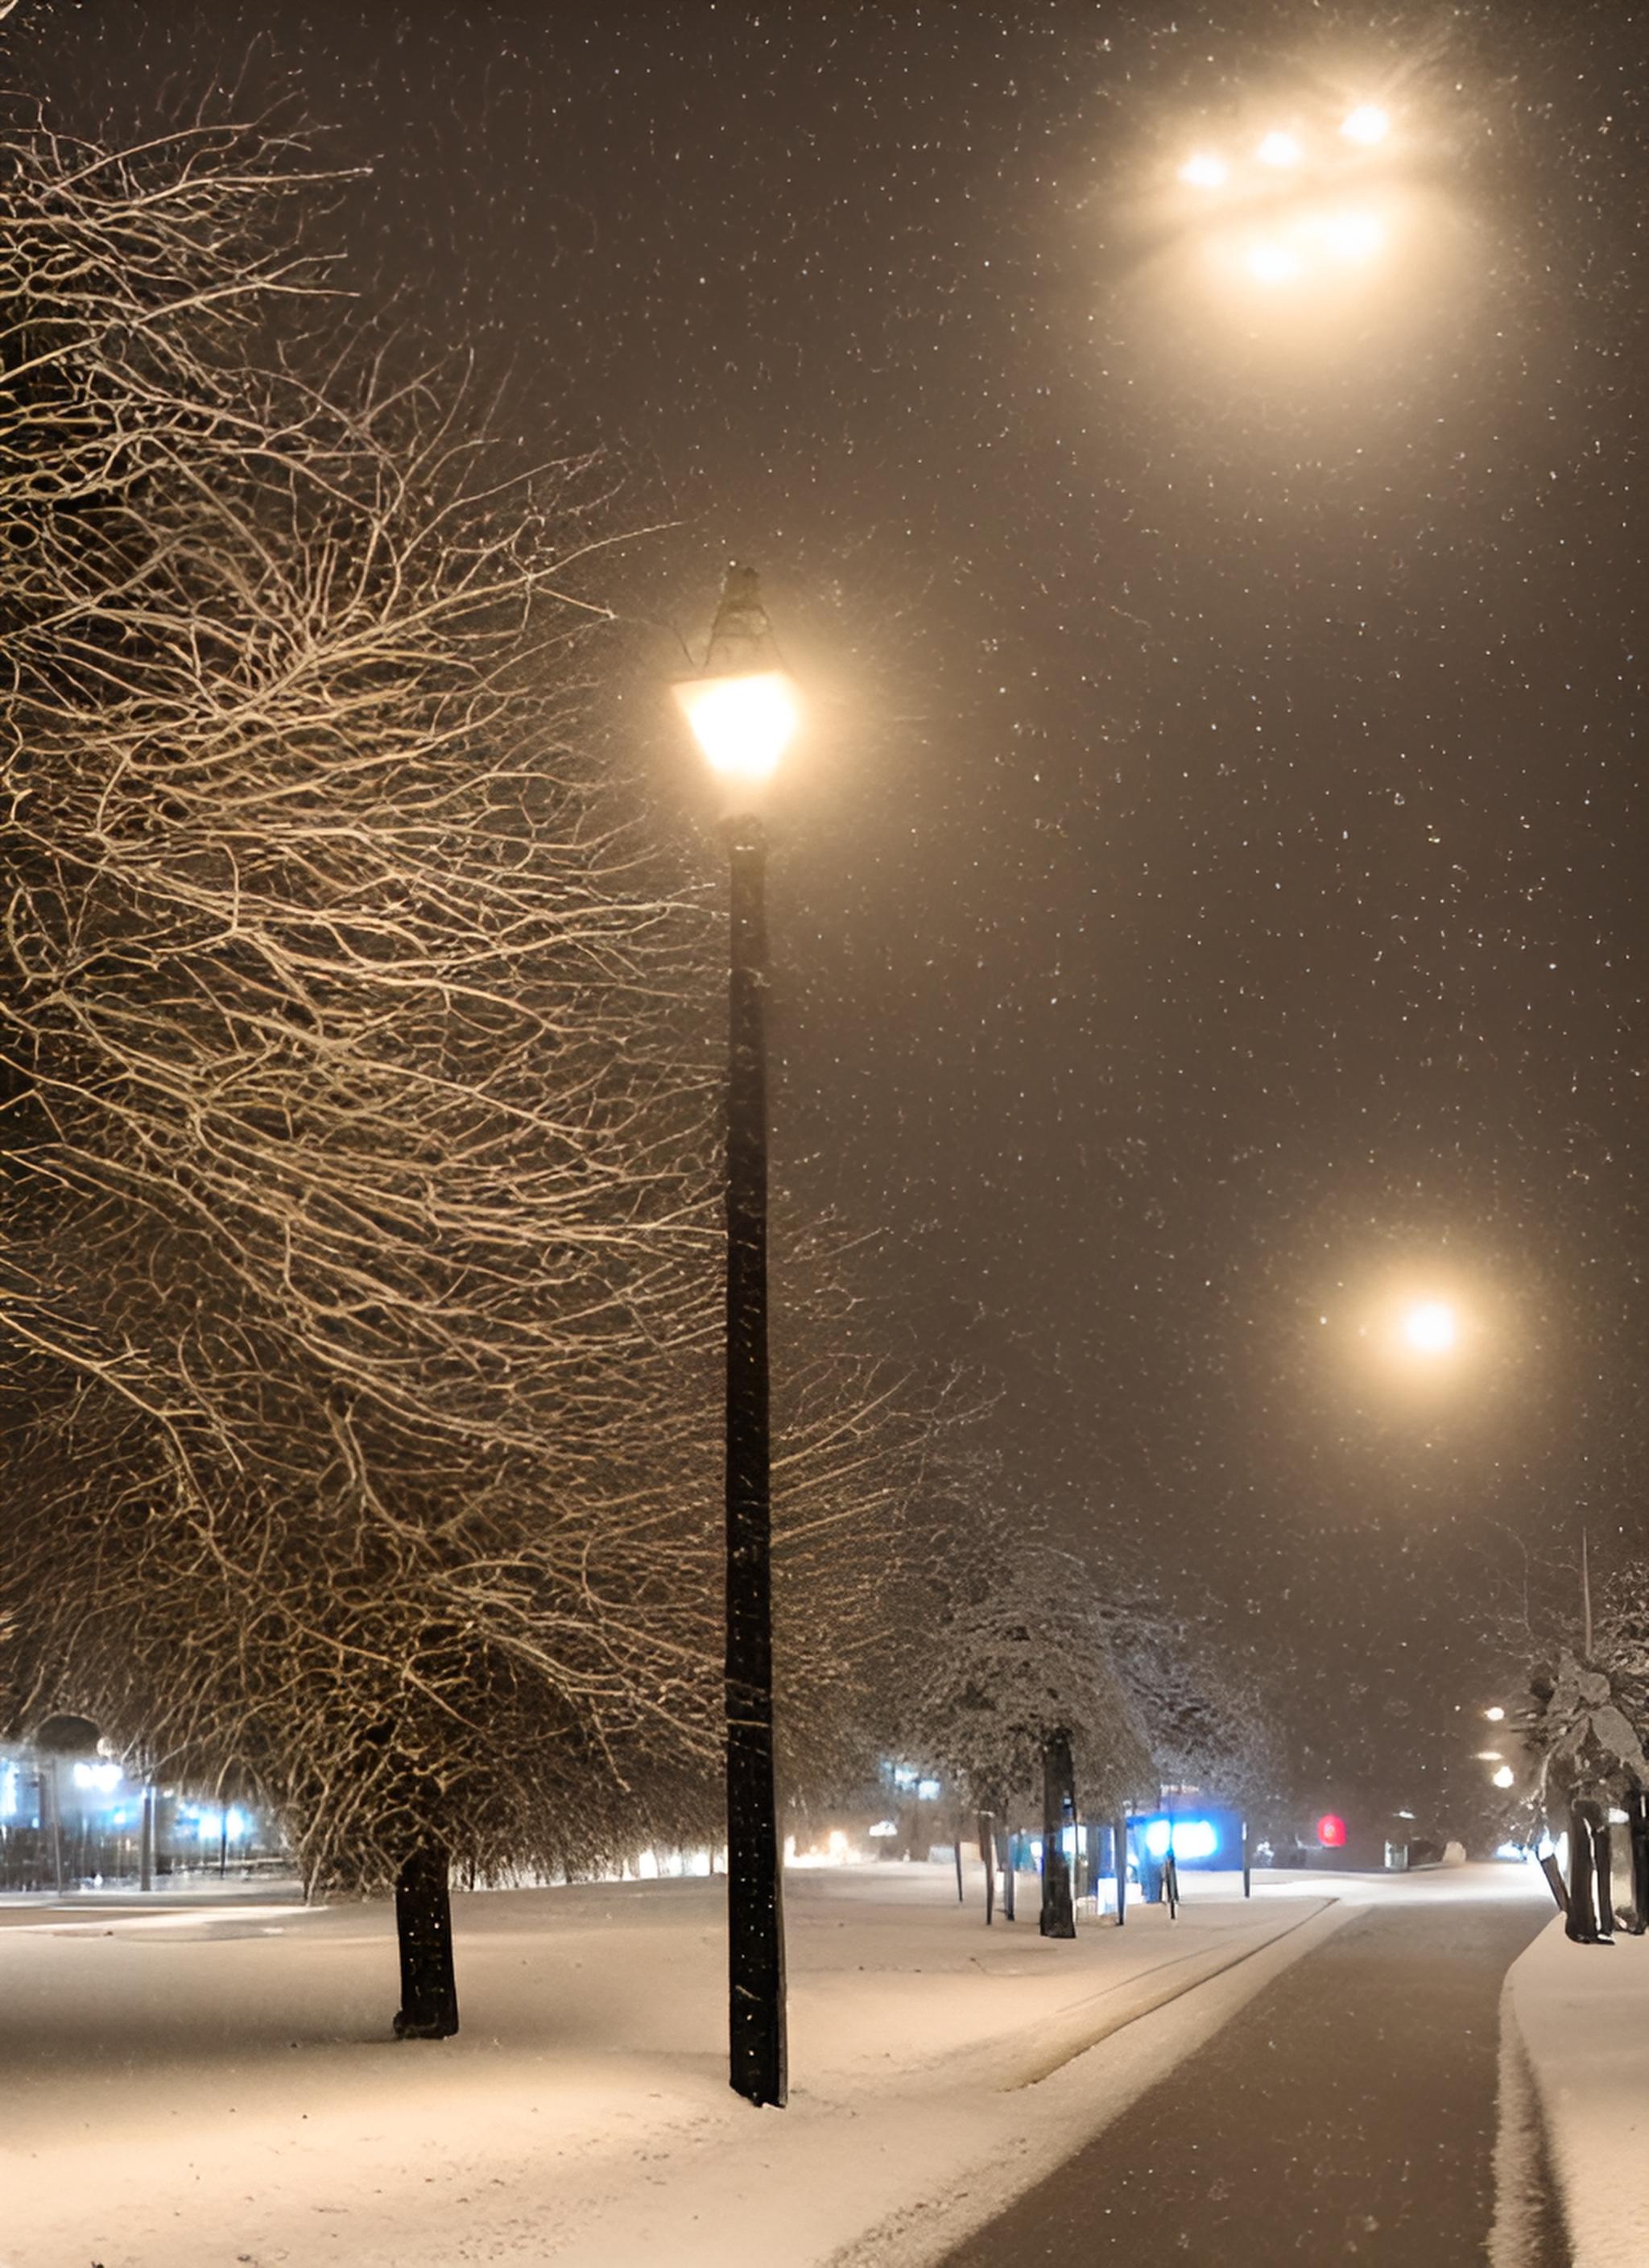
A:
{"x":1207,"y":901}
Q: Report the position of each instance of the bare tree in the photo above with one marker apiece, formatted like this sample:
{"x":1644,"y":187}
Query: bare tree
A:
{"x":360,"y":1318}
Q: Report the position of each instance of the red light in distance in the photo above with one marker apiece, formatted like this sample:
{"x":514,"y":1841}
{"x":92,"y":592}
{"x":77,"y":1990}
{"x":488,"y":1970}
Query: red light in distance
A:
{"x":1331,"y":1831}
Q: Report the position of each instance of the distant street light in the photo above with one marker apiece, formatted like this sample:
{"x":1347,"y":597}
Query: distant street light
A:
{"x":743,"y":713}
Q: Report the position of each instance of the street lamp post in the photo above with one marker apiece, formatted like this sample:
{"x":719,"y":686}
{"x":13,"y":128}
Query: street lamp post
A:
{"x":742,"y":712}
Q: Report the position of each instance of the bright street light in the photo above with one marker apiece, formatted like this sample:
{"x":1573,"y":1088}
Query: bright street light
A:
{"x":742,"y":709}
{"x":1429,"y":1328}
{"x":1495,"y":1715}
{"x":1505,"y":1777}
{"x":1279,"y":150}
{"x":743,"y":721}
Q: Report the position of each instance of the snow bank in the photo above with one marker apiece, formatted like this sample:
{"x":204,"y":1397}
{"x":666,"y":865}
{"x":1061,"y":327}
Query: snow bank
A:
{"x":1575,"y":2021}
{"x":219,"y":2091}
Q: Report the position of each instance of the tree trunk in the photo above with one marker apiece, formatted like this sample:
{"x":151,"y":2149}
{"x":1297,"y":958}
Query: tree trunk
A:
{"x":423,"y":1925}
{"x":1119,"y":1852}
{"x":1091,"y":1861}
{"x":1580,"y":1924}
{"x":1637,"y":1834}
{"x":988,"y":1858}
{"x":1058,"y":1915}
{"x":1603,"y":1869}
{"x":1248,"y":1863}
{"x":49,"y":1779}
{"x":146,"y":1841}
{"x":1005,"y":1845}
{"x":957,"y":1845}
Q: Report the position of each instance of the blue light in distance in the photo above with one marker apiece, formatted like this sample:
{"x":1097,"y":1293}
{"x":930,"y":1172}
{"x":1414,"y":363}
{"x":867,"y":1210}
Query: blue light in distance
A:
{"x":1193,"y":1838}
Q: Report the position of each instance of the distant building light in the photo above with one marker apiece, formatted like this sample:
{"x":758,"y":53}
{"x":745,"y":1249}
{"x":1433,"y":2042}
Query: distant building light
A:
{"x":883,"y":1829}
{"x":1192,"y":1838}
{"x":928,"y":1790}
{"x":904,"y":1775}
{"x":104,"y":1778}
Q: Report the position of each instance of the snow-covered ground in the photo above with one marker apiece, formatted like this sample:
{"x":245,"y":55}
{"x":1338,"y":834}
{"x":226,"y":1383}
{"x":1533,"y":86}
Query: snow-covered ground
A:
{"x":1575,"y":2031}
{"x":218,"y":2090}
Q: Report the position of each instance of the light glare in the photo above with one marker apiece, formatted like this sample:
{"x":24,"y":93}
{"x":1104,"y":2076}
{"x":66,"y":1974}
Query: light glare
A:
{"x":1272,"y":263}
{"x":1505,"y":1777}
{"x":1280,"y":150}
{"x":1367,"y":124}
{"x":744,"y":725}
{"x":1429,"y":1328}
{"x":1353,"y":235}
{"x":1204,"y":171}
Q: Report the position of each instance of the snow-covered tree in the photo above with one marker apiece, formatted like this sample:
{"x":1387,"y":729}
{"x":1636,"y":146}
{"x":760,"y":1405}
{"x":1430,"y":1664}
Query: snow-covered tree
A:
{"x":360,"y":1324}
{"x":1018,"y":1701}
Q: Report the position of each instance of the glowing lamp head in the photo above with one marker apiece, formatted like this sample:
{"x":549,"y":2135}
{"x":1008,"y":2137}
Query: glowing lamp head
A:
{"x":1505,"y":1777}
{"x":744,"y":724}
{"x":1279,"y":150}
{"x":1430,"y":1328}
{"x":1495,"y":1715}
{"x":1367,"y":124}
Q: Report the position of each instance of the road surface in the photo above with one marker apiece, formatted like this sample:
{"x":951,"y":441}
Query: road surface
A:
{"x":1346,"y":2114}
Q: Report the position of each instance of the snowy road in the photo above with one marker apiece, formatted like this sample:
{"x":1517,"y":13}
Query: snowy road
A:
{"x":1347,"y":2113}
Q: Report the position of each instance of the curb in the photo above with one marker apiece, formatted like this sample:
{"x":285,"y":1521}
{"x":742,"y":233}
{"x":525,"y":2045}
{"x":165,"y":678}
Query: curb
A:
{"x":1530,"y":2228}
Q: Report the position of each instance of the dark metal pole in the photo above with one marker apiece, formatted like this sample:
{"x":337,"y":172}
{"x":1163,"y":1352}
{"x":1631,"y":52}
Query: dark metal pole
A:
{"x":756,"y":1928}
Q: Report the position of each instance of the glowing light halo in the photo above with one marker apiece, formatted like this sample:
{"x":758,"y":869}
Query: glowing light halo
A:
{"x":1272,"y":262}
{"x":1280,"y":150}
{"x":1203,"y":170}
{"x":1351,"y":236}
{"x":1431,"y":1327}
{"x":1368,"y":124}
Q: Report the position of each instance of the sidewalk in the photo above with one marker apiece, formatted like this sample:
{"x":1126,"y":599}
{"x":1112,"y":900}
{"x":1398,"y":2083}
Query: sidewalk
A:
{"x":1575,"y":2083}
{"x":200,"y":2091}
